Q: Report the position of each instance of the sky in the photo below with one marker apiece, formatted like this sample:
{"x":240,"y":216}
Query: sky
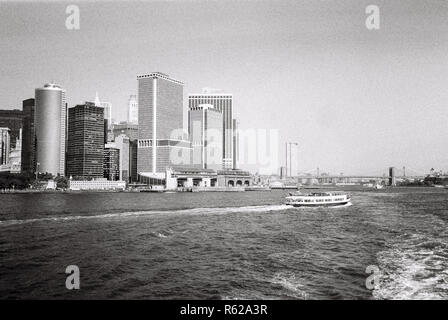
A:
{"x":355,"y":100}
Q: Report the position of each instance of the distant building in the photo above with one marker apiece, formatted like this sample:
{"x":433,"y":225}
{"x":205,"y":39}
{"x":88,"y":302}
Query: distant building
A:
{"x":122,"y":144}
{"x":224,"y":103}
{"x":133,"y":109}
{"x":392,"y":178}
{"x":15,"y":156}
{"x":162,"y":143}
{"x":12,"y":119}
{"x":133,"y":177}
{"x":205,"y":132}
{"x":126,"y":128}
{"x":111,"y":162}
{"x":107,"y":106}
{"x":4,"y":145}
{"x":28,"y":161}
{"x":50,"y":128}
{"x":85,"y":149}
{"x":283,"y":173}
{"x":236,"y":144}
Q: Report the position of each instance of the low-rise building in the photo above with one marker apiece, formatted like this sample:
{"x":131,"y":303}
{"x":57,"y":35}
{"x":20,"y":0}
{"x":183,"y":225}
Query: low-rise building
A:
{"x":97,"y":184}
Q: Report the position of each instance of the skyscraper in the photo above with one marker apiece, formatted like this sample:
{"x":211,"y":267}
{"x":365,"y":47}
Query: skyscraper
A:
{"x":236,"y":144}
{"x":122,"y":144}
{"x":162,"y":142}
{"x":223,"y":102}
{"x":107,"y":109}
{"x":205,"y":131}
{"x":85,"y":149}
{"x":12,"y":119}
{"x":133,"y":109}
{"x":4,"y":145}
{"x":28,"y":162}
{"x":111,"y":162}
{"x":50,"y":128}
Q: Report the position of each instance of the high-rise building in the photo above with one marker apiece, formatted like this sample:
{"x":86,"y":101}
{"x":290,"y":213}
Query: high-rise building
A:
{"x":50,"y":128}
{"x":12,"y":119}
{"x":85,"y":144}
{"x":28,"y":163}
{"x":4,"y":145}
{"x":122,"y":144}
{"x":107,"y":109}
{"x":133,"y":109}
{"x":162,"y":142}
{"x":111,"y":162}
{"x":205,"y":131}
{"x":236,"y":144}
{"x":133,"y":148}
{"x":223,"y":102}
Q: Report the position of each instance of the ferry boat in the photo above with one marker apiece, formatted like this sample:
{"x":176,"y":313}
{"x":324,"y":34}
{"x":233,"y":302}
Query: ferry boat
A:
{"x":318,"y":199}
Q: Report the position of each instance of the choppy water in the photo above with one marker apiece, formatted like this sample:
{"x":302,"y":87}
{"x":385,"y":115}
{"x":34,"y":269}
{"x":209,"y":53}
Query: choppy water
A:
{"x":224,"y":246}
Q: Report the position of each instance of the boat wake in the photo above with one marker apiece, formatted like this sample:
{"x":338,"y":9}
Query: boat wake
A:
{"x":415,"y":268}
{"x":193,"y":211}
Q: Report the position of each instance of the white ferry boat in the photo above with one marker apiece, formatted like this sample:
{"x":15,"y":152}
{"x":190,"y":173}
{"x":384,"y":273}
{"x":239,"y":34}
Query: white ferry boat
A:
{"x":318,"y":199}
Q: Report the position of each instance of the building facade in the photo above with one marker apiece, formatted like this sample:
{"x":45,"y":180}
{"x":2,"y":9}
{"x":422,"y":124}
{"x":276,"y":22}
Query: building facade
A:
{"x":224,"y":103}
{"x":4,"y":145}
{"x":85,"y":149}
{"x":236,"y":144}
{"x":50,"y":129}
{"x":129,"y":129}
{"x":205,"y":130}
{"x":96,"y":184}
{"x":133,"y":109}
{"x":162,"y":142}
{"x":12,"y":119}
{"x":122,"y":144}
{"x":111,"y":162}
{"x":28,"y":163}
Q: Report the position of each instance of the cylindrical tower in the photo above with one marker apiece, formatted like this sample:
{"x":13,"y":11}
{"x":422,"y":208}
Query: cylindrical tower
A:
{"x":50,"y":126}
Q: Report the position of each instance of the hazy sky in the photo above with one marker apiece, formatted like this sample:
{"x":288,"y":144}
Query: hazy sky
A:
{"x":357,"y":101}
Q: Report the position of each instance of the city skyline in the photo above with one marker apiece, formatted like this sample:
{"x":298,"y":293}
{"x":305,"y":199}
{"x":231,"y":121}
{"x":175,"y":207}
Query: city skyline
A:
{"x":334,"y":85}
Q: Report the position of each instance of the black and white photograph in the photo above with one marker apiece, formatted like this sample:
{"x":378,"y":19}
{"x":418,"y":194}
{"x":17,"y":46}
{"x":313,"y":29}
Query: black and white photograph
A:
{"x":223,"y":151}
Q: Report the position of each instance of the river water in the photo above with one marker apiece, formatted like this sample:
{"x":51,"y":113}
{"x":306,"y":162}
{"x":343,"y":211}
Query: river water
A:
{"x":224,"y":246}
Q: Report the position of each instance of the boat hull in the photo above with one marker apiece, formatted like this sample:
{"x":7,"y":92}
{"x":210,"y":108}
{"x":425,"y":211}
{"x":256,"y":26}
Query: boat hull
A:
{"x":335,"y":204}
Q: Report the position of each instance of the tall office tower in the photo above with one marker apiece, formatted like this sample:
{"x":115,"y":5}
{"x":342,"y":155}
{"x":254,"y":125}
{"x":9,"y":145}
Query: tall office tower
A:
{"x":50,"y":120}
{"x":223,"y":102}
{"x":28,"y":163}
{"x":162,"y":143}
{"x":107,"y":109}
{"x":106,"y":130}
{"x":12,"y":119}
{"x":111,"y":162}
{"x":4,"y":145}
{"x":236,"y":144}
{"x":133,"y":109}
{"x":133,"y":148}
{"x":205,"y":131}
{"x":107,"y":112}
{"x":85,"y":143}
{"x":122,"y":144}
